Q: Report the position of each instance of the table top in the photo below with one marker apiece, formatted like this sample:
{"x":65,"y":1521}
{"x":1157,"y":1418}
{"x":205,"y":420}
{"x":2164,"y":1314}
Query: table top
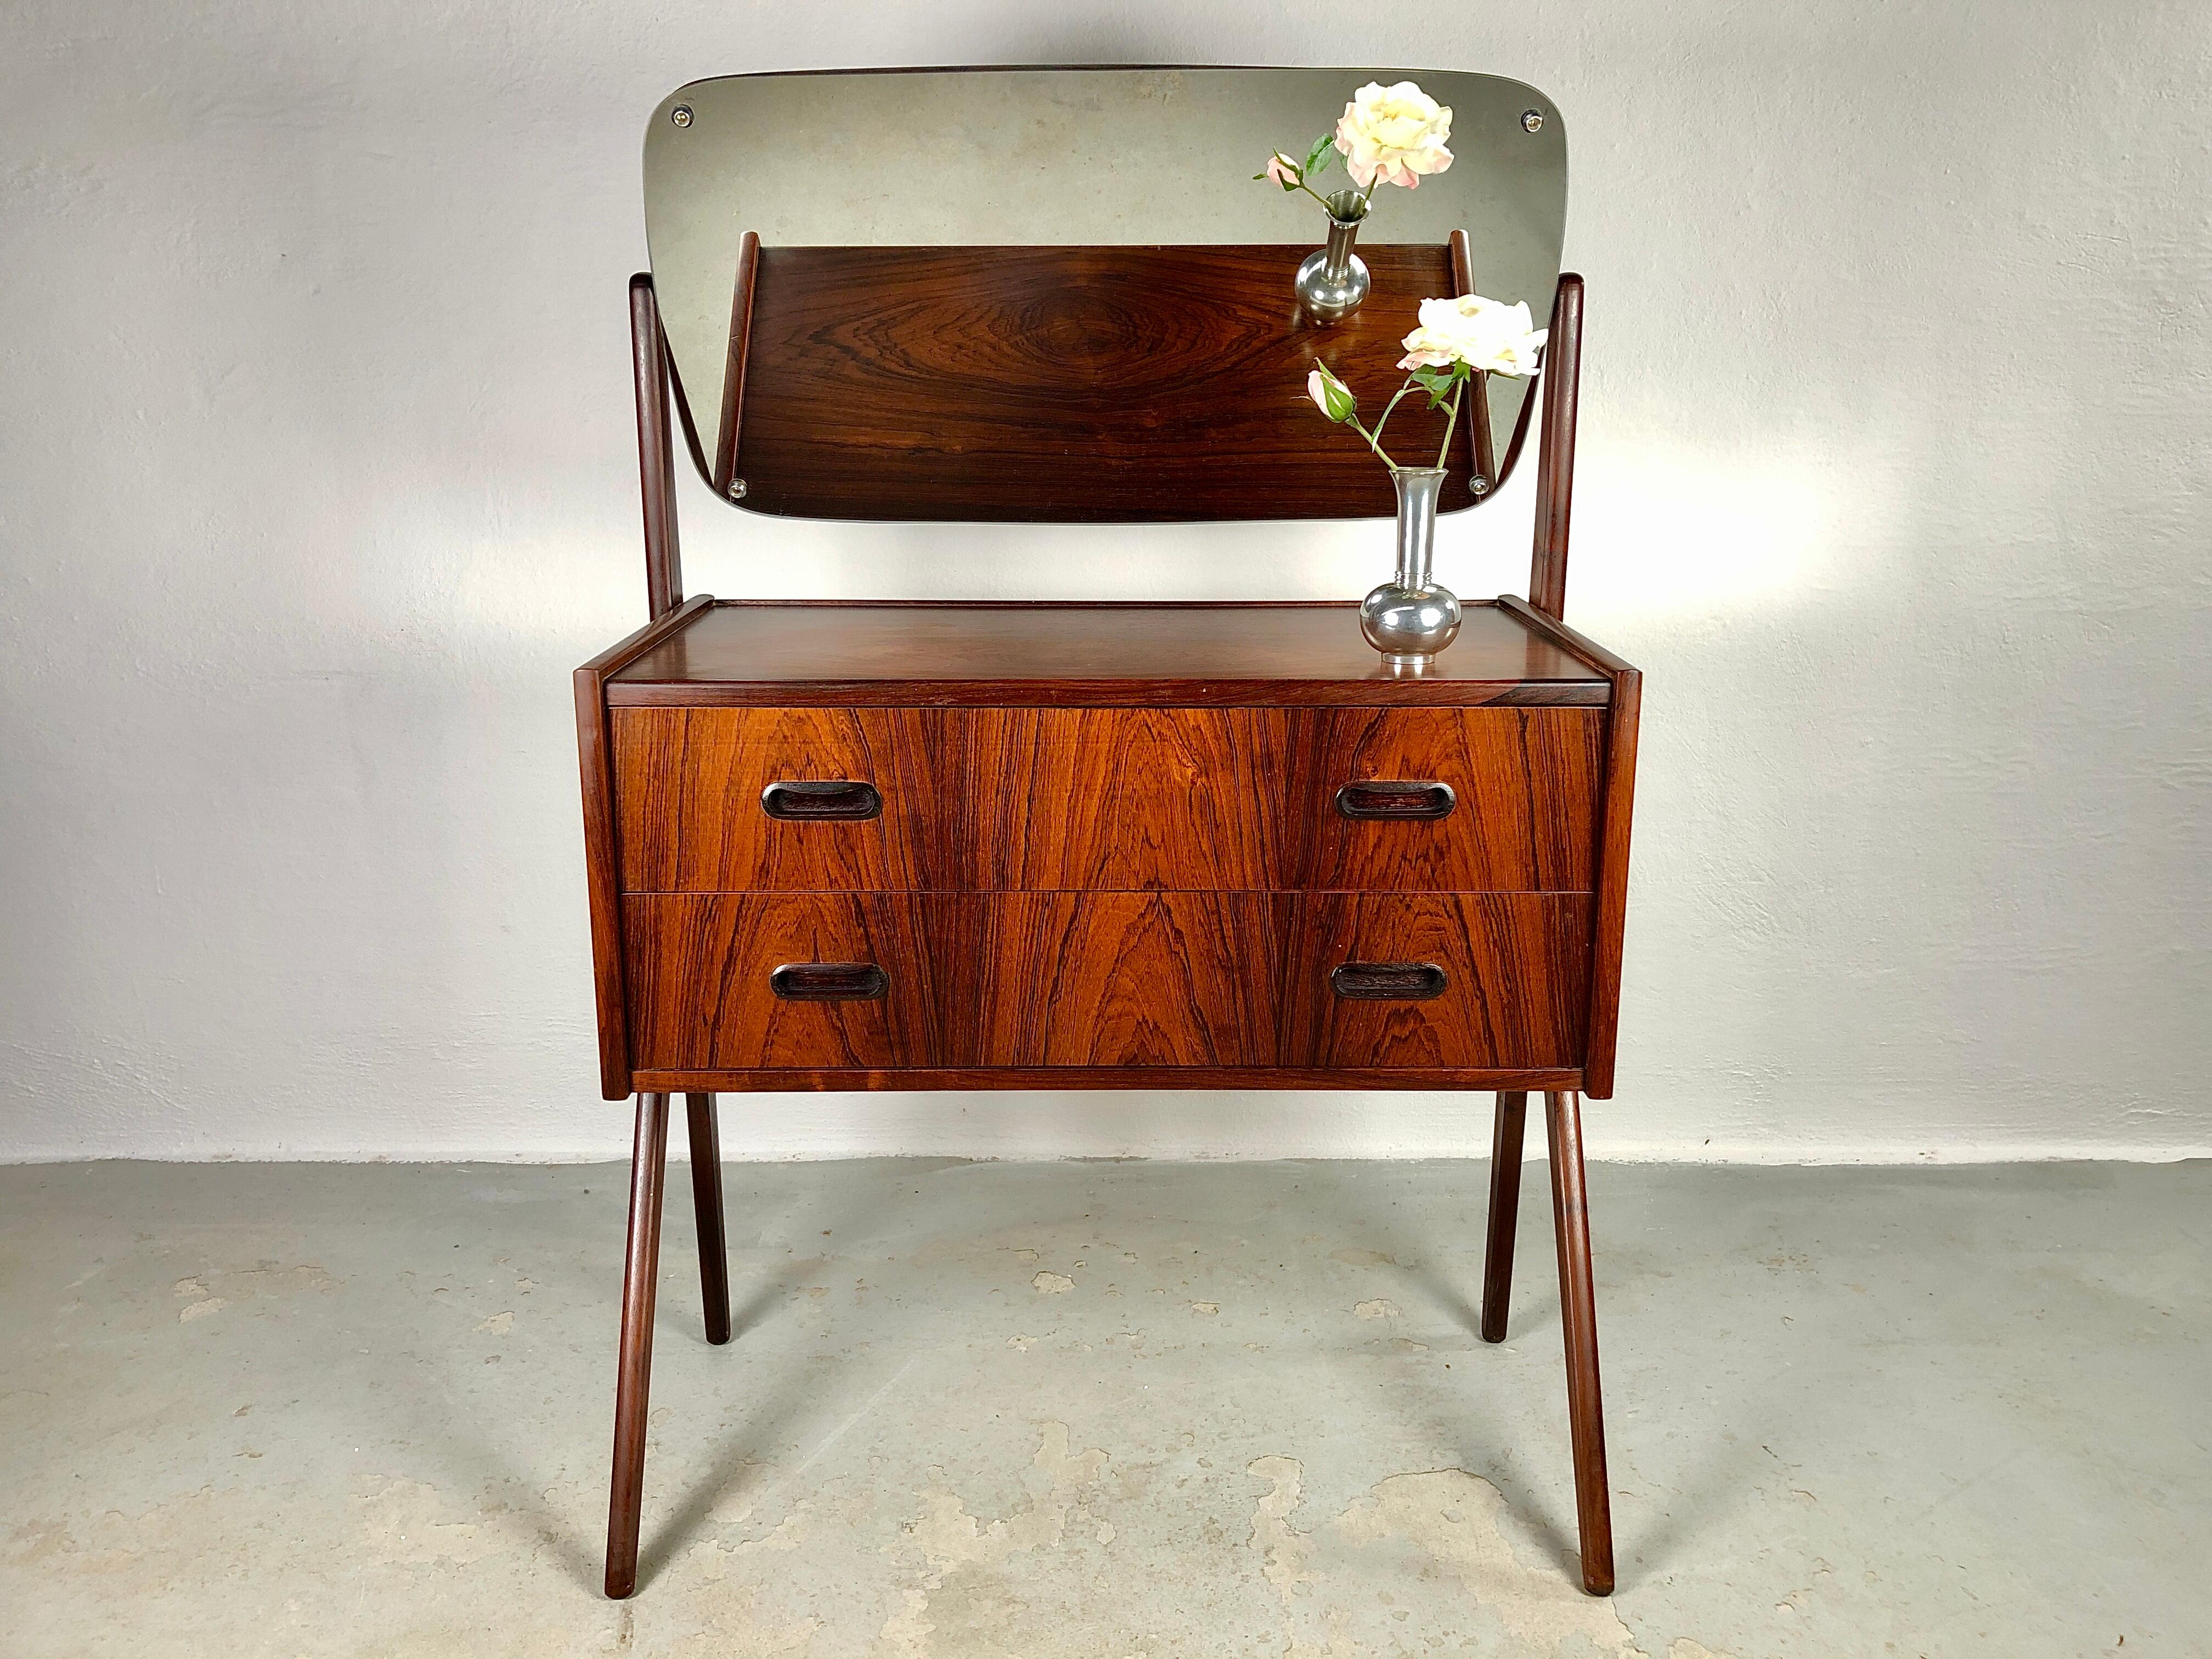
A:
{"x":767,"y":653}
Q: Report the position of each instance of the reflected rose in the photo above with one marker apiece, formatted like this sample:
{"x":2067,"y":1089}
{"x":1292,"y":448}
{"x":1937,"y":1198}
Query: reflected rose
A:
{"x":1396,"y":134}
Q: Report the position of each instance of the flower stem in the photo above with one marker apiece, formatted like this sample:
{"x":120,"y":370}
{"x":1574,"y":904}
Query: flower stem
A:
{"x":1385,"y":421}
{"x":1450,"y":421}
{"x":1375,"y":438}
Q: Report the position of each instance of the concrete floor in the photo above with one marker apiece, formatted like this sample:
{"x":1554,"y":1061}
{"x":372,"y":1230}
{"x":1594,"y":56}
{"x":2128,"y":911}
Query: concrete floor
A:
{"x":1104,"y":1410}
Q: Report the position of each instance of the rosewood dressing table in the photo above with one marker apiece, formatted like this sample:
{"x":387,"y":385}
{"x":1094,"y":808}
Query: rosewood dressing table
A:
{"x":930,"y":845}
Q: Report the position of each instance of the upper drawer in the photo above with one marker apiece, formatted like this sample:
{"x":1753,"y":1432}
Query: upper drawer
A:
{"x":1106,"y":799}
{"x":693,"y":814}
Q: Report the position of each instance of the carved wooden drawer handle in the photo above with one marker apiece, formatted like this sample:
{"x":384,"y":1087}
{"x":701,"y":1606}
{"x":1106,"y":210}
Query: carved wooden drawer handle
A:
{"x":1389,"y":981}
{"x":829,"y":982}
{"x":836,"y":802}
{"x":1385,"y":798}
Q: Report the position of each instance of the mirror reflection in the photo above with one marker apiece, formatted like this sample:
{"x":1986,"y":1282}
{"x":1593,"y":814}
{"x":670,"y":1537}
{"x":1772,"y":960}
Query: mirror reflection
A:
{"x":1152,"y":159}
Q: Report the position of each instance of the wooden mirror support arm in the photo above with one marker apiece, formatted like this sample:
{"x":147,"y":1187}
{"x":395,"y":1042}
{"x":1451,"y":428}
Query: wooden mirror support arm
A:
{"x":656,"y":457}
{"x":1555,"y":449}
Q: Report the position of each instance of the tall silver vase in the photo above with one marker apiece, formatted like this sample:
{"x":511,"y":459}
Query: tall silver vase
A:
{"x":1410,"y":617}
{"x":1334,"y":280}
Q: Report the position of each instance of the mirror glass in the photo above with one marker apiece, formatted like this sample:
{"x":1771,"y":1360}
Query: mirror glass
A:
{"x":1068,"y":157}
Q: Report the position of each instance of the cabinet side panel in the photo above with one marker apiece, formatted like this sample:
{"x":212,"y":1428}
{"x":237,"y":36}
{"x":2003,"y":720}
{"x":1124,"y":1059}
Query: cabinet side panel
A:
{"x":1611,"y":925}
{"x":603,"y":885}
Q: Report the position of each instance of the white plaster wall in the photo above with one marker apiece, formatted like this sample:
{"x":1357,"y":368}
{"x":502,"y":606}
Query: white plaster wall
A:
{"x":317,"y":476}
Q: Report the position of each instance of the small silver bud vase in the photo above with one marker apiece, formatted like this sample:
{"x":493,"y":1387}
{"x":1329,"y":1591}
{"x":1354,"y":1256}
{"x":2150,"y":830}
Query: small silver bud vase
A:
{"x":1410,"y":617}
{"x":1334,"y":280}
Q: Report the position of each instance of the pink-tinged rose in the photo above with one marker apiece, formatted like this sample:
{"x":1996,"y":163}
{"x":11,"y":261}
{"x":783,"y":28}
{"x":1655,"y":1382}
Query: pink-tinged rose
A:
{"x":1283,"y":170}
{"x":1330,"y":395}
{"x":1485,"y":334}
{"x":1396,"y":134}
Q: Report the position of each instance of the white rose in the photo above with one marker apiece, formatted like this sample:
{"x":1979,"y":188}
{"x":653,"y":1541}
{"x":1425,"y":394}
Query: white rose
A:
{"x":1483,"y":334}
{"x":1398,"y":132}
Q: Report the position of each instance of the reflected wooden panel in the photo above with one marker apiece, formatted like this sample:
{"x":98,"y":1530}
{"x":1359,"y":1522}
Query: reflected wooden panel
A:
{"x":1069,"y":384}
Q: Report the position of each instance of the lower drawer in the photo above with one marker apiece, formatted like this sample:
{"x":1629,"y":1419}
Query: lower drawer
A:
{"x":768,"y":980}
{"x":705,"y":996}
{"x":1510,"y":986}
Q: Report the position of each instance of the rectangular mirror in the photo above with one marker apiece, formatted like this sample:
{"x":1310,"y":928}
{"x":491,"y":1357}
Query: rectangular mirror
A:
{"x":1059,"y":292}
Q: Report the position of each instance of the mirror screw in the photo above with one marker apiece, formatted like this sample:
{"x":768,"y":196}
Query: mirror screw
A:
{"x":682,"y":116}
{"x":1532,"y":120}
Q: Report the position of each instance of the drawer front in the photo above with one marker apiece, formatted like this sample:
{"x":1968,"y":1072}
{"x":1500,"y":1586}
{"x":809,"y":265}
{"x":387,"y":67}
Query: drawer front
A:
{"x":763,"y":980}
{"x":1442,"y":980}
{"x":740,"y":981}
{"x":1134,"y":800}
{"x":1106,"y":799}
{"x":1492,"y":800}
{"x":1128,"y":979}
{"x":717,"y":801}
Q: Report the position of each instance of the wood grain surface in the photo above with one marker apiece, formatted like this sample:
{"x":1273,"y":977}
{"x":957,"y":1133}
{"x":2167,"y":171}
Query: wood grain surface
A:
{"x":1555,"y":457}
{"x":1526,"y":784}
{"x":602,"y":882}
{"x":1072,"y":384}
{"x":813,"y":1079}
{"x":1144,"y":979}
{"x":905,"y":654}
{"x":700,"y":965}
{"x":1106,"y":799}
{"x":688,"y":787}
{"x":1517,"y":966}
{"x":1128,"y":979}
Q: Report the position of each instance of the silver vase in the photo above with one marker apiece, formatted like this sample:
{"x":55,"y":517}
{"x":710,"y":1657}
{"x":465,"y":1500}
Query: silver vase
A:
{"x":1410,"y":617}
{"x":1334,"y":280}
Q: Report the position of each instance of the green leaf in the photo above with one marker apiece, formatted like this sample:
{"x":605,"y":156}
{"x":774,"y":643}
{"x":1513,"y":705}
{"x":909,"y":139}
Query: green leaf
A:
{"x":1322,"y":153}
{"x":1436,"y":382}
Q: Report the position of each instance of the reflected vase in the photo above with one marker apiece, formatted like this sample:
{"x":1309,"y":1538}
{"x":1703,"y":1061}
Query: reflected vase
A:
{"x":1410,"y":617}
{"x":1334,"y":280}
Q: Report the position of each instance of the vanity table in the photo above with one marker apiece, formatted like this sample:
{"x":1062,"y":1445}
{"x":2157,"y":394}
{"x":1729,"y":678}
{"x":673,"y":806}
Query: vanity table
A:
{"x":934,"y":845}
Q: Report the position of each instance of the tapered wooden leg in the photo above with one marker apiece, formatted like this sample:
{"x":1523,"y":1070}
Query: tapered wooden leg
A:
{"x":641,"y":1278}
{"x":707,"y":1201}
{"x":1563,"y":1117}
{"x":1505,"y":1212}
